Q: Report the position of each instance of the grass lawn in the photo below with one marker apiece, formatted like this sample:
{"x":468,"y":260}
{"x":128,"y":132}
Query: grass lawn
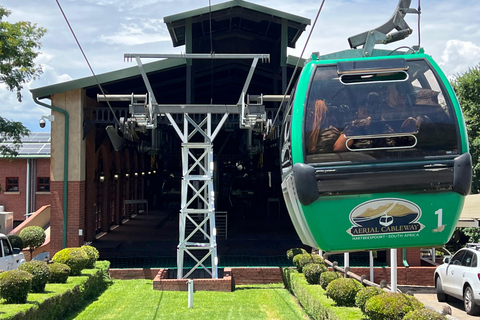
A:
{"x":51,"y":290}
{"x":136,"y":299}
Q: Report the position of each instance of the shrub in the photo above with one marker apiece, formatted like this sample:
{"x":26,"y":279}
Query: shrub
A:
{"x":15,"y":285}
{"x":365,"y":294}
{"x":59,"y":272}
{"x":327,"y":277}
{"x":312,"y":272}
{"x":32,"y":237}
{"x":424,"y":314}
{"x":40,"y":272}
{"x":16,"y":241}
{"x":75,"y":258}
{"x":301,"y":260}
{"x":391,"y":306}
{"x":92,"y":254}
{"x":310,"y":303}
{"x":343,"y":291}
{"x":294,"y":251}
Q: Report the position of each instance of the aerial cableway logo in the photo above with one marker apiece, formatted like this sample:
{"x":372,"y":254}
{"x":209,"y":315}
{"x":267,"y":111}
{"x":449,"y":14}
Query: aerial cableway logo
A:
{"x":385,"y":216}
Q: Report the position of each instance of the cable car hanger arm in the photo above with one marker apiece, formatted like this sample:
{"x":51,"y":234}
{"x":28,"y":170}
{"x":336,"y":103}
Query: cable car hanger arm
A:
{"x":381,"y":34}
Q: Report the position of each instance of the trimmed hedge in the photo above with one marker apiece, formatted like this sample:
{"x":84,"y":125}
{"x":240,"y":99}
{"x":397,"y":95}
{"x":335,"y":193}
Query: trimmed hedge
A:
{"x":327,"y":277}
{"x":294,"y":251}
{"x":365,"y":294}
{"x":424,"y":314}
{"x":343,"y":291}
{"x":391,"y":306}
{"x":65,"y":304}
{"x":59,"y":272}
{"x":76,"y":258}
{"x":301,"y":260}
{"x":312,"y":306}
{"x":15,"y":285}
{"x":92,"y":254}
{"x":40,"y":272}
{"x":313,"y":271}
{"x":15,"y":241}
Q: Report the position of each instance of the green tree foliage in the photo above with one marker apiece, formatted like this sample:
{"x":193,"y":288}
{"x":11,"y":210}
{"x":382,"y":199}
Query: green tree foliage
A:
{"x":32,"y":237}
{"x":12,"y":131}
{"x":467,"y":88}
{"x":18,"y":42}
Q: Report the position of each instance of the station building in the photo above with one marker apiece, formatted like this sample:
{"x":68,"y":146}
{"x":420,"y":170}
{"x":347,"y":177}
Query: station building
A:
{"x":90,"y":180}
{"x":25,"y":179}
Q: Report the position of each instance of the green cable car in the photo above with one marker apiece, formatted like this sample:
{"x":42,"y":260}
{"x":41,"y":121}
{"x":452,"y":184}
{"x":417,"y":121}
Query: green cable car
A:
{"x":374,"y":152}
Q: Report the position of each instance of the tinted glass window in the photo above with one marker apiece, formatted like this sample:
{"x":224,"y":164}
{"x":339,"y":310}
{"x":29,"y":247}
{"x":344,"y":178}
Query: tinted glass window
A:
{"x":474,"y":261}
{"x":6,"y":248}
{"x":403,"y":115}
{"x":458,"y":257}
{"x":467,"y":259}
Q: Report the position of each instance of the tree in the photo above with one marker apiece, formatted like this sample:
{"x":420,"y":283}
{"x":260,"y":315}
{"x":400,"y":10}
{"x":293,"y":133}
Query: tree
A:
{"x":12,"y":131}
{"x":32,"y":237}
{"x":467,"y":88}
{"x":18,"y":42}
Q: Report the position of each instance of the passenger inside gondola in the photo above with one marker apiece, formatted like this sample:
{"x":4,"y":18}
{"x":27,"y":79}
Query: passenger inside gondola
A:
{"x":323,"y":131}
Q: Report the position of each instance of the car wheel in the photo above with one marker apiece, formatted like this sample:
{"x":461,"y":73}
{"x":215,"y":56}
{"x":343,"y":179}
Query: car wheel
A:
{"x":441,"y":296}
{"x":471,"y":307}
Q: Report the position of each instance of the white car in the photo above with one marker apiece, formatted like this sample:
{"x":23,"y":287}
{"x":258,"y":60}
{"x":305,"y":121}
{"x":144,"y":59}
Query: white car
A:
{"x":459,"y":277}
{"x":10,"y":258}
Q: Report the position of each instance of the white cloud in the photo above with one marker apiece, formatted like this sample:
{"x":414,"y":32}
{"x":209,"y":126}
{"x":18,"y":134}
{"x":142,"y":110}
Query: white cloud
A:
{"x":458,"y":56}
{"x":137,"y":33}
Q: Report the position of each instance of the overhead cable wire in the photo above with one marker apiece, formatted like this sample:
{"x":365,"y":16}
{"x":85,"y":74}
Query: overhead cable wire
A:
{"x":419,"y":14}
{"x":296,"y":67}
{"x":211,"y":49}
{"x":86,"y":59}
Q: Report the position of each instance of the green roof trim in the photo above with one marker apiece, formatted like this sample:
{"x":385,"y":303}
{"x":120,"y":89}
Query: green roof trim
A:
{"x":47,"y":91}
{"x":234,"y":3}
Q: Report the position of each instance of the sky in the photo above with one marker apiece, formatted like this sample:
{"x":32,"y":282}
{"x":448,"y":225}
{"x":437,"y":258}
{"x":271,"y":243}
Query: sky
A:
{"x":106,"y":29}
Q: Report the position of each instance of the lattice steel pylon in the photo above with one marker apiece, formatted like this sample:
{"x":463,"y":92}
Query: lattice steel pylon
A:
{"x":197,"y":236}
{"x":197,"y":206}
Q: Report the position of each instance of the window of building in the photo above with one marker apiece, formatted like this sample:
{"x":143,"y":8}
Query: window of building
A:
{"x":43,"y":184}
{"x":11,"y":185}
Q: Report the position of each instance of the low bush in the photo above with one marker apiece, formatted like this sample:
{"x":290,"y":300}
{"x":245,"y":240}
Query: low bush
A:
{"x":40,"y":272}
{"x":424,"y":314}
{"x":59,"y":272}
{"x":92,"y":254}
{"x":294,"y":251}
{"x":312,"y":306}
{"x":313,"y":271}
{"x":15,"y":241}
{"x":32,"y":237}
{"x":76,"y":258}
{"x":327,"y":277}
{"x":391,"y":306}
{"x":343,"y":291}
{"x":366,"y":293}
{"x":15,"y":285}
{"x":301,"y":260}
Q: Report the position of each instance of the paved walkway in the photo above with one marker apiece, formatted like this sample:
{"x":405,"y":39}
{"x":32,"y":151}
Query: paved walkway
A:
{"x":428,"y":296}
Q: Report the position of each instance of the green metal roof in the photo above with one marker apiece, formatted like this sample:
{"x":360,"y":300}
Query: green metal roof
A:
{"x":113,"y":76}
{"x":176,"y":22}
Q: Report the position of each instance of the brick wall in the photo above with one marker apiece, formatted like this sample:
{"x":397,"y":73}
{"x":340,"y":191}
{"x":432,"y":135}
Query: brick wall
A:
{"x":128,"y":274}
{"x":420,"y":276}
{"x":225,"y":284}
{"x":256,"y":275}
{"x":76,"y":214}
{"x":16,"y":201}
